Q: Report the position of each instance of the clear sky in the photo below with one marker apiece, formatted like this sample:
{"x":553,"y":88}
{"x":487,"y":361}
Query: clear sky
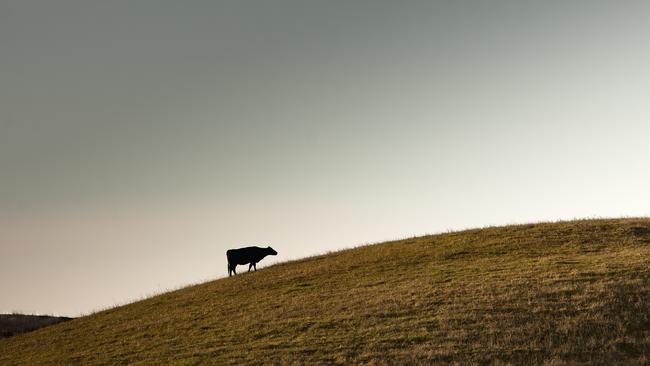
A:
{"x":141,"y":139}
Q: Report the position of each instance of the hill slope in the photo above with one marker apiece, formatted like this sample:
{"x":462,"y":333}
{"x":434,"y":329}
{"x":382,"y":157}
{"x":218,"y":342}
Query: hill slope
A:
{"x":570,"y":292}
{"x":12,"y":324}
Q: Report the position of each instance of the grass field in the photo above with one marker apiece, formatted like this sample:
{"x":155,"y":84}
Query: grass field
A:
{"x":551,"y":293}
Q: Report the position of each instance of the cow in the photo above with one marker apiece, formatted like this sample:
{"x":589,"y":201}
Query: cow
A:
{"x":248,"y":255}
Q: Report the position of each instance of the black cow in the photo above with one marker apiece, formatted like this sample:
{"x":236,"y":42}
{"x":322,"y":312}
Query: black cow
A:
{"x":248,"y":255}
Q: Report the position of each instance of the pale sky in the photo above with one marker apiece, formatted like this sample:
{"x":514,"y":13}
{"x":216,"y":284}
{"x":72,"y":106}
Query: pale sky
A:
{"x":141,"y":139}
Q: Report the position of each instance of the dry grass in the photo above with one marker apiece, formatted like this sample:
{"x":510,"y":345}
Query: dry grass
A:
{"x":553,"y":293}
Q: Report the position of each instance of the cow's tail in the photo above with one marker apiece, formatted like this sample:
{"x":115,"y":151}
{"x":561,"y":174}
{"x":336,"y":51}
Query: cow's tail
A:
{"x":228,"y":259}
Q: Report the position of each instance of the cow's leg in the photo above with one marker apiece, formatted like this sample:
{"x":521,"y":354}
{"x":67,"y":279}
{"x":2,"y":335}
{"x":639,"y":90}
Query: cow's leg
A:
{"x":233,"y":266}
{"x":229,"y":270}
{"x":255,"y":266}
{"x":250,"y":266}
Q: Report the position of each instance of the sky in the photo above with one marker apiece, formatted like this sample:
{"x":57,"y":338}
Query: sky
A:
{"x":140,"y":140}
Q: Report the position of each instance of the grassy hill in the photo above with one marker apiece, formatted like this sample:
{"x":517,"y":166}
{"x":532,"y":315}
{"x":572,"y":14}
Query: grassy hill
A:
{"x":12,"y":324}
{"x":554,"y":293}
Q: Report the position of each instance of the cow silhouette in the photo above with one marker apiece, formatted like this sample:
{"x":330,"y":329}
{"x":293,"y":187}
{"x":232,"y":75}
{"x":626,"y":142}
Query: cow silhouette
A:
{"x":248,"y":255}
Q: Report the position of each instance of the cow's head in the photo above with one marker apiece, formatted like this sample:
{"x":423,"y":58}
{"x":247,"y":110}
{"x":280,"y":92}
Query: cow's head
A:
{"x":271,"y":251}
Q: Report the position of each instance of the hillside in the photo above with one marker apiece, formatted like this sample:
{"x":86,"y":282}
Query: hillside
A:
{"x":555,"y":293}
{"x":12,"y":324}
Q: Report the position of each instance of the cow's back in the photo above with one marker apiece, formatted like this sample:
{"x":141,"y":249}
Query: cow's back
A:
{"x":244,"y":255}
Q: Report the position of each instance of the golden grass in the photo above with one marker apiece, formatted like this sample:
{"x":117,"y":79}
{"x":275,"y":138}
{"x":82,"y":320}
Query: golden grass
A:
{"x":552,"y":293}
